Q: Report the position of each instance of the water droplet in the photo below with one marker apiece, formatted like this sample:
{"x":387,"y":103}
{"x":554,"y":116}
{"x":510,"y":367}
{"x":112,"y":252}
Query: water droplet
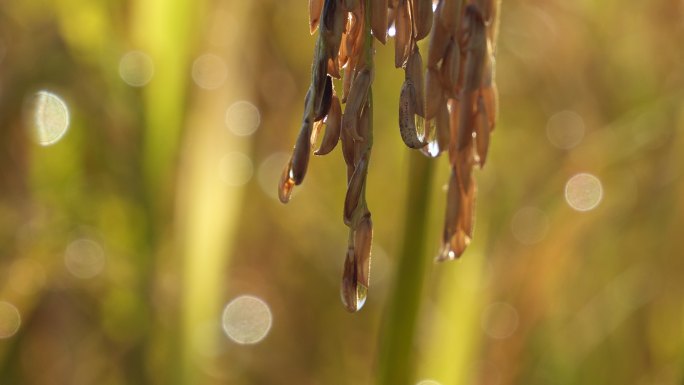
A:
{"x":270,"y":171}
{"x":242,"y":118}
{"x":357,"y":297}
{"x":353,"y":291}
{"x":209,"y":71}
{"x":583,"y":192}
{"x":235,"y":169}
{"x":361,"y":296}
{"x":500,"y":320}
{"x":84,"y":258}
{"x":136,"y":68}
{"x":247,"y":319}
{"x":565,"y":129}
{"x":529,"y":225}
{"x":392,"y":31}
{"x":50,"y":118}
{"x":10,"y":320}
{"x":432,"y":149}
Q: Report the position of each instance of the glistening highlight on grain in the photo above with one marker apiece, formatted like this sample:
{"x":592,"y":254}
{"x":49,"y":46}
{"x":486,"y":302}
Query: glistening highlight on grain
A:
{"x":451,"y":105}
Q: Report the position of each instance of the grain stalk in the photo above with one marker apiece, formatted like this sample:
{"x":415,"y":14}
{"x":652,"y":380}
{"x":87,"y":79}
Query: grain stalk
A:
{"x":451,"y":107}
{"x":344,"y":44}
{"x":395,"y":361}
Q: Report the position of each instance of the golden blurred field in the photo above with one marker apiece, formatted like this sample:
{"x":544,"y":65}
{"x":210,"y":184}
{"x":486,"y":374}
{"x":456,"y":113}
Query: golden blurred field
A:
{"x":123,"y":241}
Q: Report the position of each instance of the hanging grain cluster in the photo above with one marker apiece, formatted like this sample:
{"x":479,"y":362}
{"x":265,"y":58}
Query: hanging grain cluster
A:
{"x":448,"y":106}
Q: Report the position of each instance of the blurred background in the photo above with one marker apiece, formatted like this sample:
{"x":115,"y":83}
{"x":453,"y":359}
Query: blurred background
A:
{"x":142,"y":241}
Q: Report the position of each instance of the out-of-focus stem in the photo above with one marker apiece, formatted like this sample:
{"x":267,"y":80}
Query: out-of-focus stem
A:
{"x":208,"y":208}
{"x":166,"y":31}
{"x":396,"y":360}
{"x":450,"y":347}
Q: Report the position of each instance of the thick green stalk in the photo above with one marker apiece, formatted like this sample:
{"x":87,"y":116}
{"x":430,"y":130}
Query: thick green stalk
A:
{"x":449,"y":349}
{"x":208,"y":209}
{"x":166,"y":32}
{"x":396,"y":360}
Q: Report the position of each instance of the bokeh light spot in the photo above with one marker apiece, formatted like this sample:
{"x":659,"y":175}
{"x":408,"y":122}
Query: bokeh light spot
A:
{"x":235,"y":169}
{"x":247,"y":319}
{"x":84,"y":258}
{"x":269,"y":174}
{"x":529,"y":225}
{"x":10,"y":320}
{"x":500,"y":320}
{"x":136,"y":68}
{"x":565,"y":129}
{"x":583,"y":192}
{"x":243,"y":118}
{"x":50,"y":118}
{"x":209,"y":71}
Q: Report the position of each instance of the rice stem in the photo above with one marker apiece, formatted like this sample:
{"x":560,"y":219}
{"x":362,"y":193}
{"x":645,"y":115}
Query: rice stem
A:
{"x":396,"y":363}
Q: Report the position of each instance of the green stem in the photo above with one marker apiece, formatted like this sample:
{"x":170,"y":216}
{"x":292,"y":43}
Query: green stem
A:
{"x":396,"y":363}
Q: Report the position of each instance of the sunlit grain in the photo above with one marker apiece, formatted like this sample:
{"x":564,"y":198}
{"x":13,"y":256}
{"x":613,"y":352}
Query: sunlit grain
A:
{"x":392,"y":31}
